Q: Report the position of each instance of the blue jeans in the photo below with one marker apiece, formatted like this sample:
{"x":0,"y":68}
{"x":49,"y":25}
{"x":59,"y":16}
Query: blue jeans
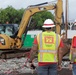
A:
{"x":50,"y":69}
{"x":74,"y":69}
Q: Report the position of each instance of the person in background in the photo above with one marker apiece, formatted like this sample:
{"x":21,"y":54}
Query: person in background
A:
{"x":7,"y":22}
{"x":49,"y":46}
{"x":72,"y":65}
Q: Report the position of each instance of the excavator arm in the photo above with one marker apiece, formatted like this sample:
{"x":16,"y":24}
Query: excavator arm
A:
{"x":38,"y":8}
{"x":28,"y":13}
{"x":58,"y":16}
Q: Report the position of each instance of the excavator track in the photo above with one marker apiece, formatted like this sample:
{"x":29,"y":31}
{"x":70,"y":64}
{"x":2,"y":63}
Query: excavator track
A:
{"x":8,"y":54}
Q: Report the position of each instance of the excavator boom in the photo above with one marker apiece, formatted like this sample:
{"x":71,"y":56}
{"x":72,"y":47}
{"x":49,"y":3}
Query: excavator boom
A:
{"x":28,"y":13}
{"x":38,"y":8}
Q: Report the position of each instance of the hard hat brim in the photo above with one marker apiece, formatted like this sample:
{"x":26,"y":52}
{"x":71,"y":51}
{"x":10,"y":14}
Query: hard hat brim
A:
{"x":48,"y":26}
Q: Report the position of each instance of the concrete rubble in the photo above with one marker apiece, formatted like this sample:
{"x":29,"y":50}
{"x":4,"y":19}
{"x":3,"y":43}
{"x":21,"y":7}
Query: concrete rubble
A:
{"x":19,"y":65}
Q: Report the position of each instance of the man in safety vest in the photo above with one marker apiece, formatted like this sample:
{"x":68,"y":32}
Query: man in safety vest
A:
{"x":48,"y":44}
{"x":72,"y":65}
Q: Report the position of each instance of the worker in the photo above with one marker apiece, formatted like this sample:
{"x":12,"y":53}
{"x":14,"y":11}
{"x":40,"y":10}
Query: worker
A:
{"x":48,"y":45}
{"x":7,"y":22}
{"x":72,"y":65}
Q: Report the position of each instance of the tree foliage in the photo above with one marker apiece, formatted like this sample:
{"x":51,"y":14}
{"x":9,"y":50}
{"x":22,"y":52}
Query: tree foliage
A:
{"x":13,"y":15}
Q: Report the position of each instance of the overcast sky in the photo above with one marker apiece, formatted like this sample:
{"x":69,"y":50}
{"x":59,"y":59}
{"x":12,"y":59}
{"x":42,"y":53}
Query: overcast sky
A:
{"x":24,"y":3}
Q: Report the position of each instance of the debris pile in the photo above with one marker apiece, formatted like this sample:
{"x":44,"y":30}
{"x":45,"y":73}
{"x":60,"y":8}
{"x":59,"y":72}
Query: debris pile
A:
{"x":15,"y":65}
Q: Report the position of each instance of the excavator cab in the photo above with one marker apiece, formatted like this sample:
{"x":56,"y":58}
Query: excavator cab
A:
{"x":6,"y":31}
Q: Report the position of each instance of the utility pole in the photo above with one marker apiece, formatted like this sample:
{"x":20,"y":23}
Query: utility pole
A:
{"x":66,"y":18}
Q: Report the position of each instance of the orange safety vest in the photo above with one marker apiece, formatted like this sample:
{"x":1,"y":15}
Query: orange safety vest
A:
{"x":48,"y":43}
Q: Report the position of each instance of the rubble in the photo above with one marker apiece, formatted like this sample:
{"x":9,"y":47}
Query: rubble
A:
{"x":15,"y":65}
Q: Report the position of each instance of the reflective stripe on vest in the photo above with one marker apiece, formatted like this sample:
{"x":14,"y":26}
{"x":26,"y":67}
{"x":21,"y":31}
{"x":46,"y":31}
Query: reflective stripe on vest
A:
{"x":52,"y":52}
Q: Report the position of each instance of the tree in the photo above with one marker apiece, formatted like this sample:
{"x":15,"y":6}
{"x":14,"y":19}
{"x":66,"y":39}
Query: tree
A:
{"x":13,"y":15}
{"x":20,"y":14}
{"x":2,"y":15}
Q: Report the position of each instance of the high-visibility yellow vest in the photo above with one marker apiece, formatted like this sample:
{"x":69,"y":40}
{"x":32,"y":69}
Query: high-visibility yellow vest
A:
{"x":48,"y":43}
{"x":70,"y":56}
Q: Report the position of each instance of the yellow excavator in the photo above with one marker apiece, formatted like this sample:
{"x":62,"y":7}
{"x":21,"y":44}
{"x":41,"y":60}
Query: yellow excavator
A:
{"x":14,"y":43}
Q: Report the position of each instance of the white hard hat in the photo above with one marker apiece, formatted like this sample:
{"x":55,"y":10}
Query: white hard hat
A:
{"x":48,"y":23}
